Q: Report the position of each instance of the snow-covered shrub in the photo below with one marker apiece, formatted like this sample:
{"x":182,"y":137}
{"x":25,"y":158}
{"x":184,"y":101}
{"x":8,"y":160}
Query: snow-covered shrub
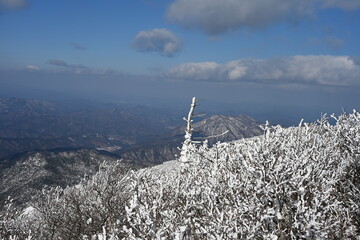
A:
{"x":16,"y":225}
{"x":89,"y":207}
{"x":93,"y":209}
{"x":7,"y":219}
{"x":296,"y":183}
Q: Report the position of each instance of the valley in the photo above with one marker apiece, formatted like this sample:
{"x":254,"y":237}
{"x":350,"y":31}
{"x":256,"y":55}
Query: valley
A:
{"x":48,"y":144}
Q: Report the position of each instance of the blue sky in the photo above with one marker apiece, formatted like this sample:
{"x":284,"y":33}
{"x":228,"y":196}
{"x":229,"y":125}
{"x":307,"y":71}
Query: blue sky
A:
{"x":266,"y":54}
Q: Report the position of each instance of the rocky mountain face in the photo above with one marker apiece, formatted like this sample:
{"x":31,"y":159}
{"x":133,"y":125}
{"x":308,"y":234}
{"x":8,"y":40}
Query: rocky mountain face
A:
{"x":23,"y":176}
{"x":167,"y":147}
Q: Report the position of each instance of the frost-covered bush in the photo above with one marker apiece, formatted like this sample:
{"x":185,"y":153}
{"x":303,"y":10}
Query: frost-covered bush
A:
{"x":93,"y":209}
{"x":85,"y":209}
{"x":296,"y":183}
{"x":7,"y":221}
{"x":16,"y":225}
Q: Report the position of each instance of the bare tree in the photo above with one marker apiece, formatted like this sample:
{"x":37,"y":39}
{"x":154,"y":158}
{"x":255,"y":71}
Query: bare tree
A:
{"x":188,"y":142}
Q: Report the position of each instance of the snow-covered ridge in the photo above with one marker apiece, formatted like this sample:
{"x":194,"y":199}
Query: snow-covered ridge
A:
{"x":294,"y":183}
{"x":290,"y":183}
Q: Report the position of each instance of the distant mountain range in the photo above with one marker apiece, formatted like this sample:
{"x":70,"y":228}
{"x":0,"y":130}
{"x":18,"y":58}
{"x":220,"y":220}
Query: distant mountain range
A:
{"x":44,"y":143}
{"x":141,"y":135}
{"x":237,"y":127}
{"x":27,"y":125}
{"x":166,"y":148}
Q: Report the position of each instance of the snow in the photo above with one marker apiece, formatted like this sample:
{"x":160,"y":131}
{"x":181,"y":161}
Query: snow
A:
{"x":295,"y":183}
{"x":28,"y":211}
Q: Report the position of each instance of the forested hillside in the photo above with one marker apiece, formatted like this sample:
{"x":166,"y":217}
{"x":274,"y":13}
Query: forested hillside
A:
{"x":23,"y":178}
{"x":296,"y":183}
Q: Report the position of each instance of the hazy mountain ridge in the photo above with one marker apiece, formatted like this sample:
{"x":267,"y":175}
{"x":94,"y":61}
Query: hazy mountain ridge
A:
{"x":55,"y":159}
{"x":16,"y":105}
{"x":167,"y":148}
{"x":137,"y":134}
{"x":28,"y":118}
{"x":28,"y":124}
{"x":237,"y":127}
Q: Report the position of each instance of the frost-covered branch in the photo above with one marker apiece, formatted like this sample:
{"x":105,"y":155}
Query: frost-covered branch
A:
{"x":294,"y":183}
{"x":188,"y":142}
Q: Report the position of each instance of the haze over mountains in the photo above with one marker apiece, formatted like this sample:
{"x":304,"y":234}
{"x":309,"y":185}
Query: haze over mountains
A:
{"x":166,"y":147}
{"x":28,"y":125}
{"x":57,"y":144}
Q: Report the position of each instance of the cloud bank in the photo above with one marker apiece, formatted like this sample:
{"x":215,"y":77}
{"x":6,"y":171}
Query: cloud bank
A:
{"x":318,"y":70}
{"x":158,"y":40}
{"x":79,"y":68}
{"x":216,"y":17}
{"x":76,"y":68}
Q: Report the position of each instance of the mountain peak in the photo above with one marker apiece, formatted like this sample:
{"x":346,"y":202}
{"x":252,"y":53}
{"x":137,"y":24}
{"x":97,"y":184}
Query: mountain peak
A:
{"x":237,"y":126}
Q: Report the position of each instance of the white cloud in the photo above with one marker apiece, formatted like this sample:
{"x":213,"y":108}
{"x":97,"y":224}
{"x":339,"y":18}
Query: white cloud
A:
{"x":320,"y":70}
{"x":216,"y":17}
{"x":159,"y":40}
{"x":32,"y":67}
{"x":234,"y":71}
{"x":196,"y":71}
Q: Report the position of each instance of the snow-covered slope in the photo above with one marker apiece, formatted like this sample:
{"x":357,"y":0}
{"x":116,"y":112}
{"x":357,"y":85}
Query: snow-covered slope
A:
{"x":295,"y":183}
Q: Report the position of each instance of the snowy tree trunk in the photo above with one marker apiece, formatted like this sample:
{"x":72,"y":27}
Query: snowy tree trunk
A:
{"x":188,"y":134}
